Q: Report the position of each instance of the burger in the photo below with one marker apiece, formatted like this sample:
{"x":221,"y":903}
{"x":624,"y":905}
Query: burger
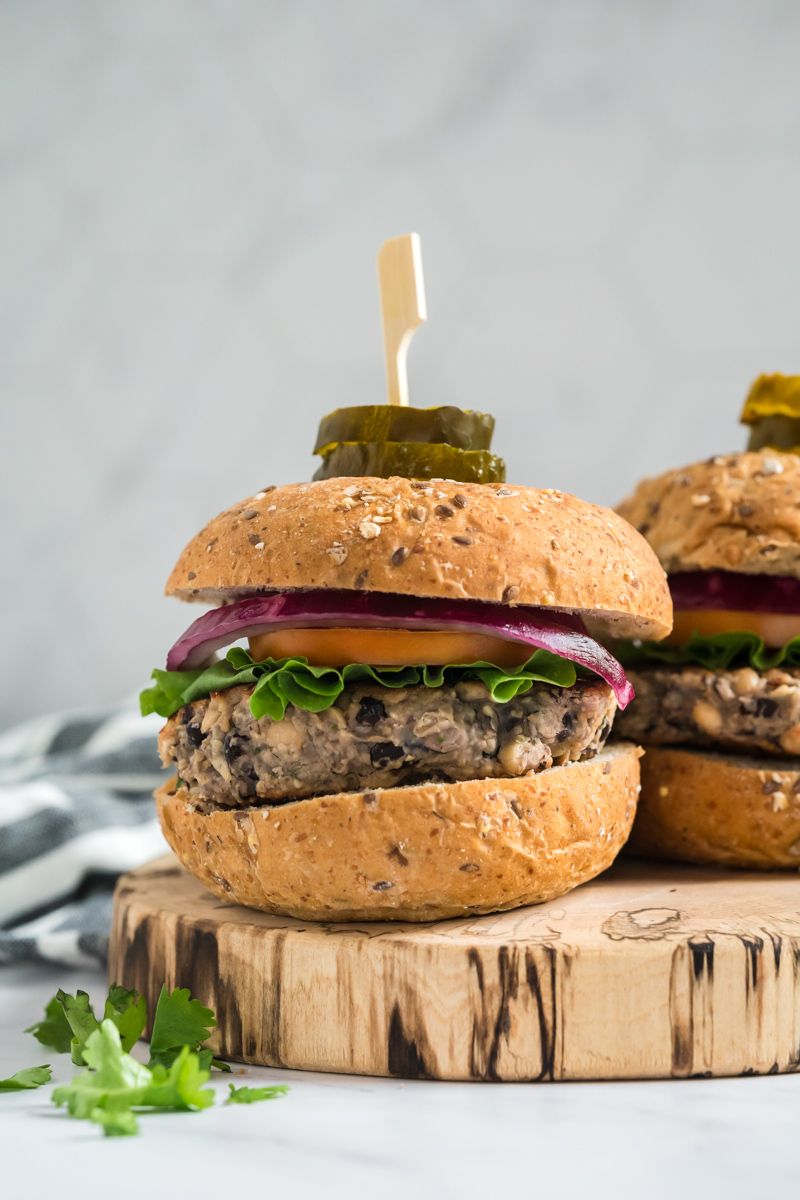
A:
{"x":399,"y":705}
{"x":718,"y":704}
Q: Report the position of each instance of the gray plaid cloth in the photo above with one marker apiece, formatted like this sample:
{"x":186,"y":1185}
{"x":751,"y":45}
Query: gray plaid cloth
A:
{"x":76,"y":809}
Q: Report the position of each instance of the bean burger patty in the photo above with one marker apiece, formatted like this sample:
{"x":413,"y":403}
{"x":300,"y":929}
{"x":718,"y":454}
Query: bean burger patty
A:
{"x":380,"y":737}
{"x":754,"y":712}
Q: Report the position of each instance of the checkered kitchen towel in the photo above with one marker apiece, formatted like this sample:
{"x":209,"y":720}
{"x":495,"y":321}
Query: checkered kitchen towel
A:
{"x":76,"y":808}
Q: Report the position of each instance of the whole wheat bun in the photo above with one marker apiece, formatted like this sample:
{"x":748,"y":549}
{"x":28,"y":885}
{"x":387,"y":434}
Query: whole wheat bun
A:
{"x":414,"y":853}
{"x":507,"y":545}
{"x":718,"y":808}
{"x":739,"y":512}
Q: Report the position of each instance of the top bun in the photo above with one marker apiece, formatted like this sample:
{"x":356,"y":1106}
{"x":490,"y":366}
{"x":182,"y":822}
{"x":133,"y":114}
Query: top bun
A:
{"x":473,"y":541}
{"x":738,"y":512}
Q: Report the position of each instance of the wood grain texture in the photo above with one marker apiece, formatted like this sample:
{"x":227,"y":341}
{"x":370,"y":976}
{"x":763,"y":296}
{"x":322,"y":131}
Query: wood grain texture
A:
{"x":651,"y":971}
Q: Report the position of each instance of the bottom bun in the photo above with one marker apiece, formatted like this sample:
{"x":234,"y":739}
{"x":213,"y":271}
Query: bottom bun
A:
{"x":414,"y":853}
{"x":718,"y":808}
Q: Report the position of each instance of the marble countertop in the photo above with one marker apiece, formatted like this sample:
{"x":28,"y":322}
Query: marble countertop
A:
{"x":346,"y":1136}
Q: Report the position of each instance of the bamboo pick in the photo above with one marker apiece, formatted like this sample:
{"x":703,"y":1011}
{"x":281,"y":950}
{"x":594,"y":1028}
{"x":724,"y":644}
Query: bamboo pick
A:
{"x":403,"y":309}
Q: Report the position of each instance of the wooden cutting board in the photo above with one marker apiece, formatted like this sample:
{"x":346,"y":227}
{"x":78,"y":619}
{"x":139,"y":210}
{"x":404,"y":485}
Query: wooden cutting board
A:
{"x":652,"y":971}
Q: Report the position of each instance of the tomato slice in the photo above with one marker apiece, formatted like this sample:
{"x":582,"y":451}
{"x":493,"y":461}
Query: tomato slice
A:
{"x":388,"y":647}
{"x":776,"y":629}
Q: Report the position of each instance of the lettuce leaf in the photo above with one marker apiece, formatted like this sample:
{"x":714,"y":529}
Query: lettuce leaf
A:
{"x":717,"y":652}
{"x":277,"y":683}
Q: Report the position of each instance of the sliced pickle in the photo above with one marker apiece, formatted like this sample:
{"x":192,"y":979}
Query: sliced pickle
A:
{"x":772,"y":396}
{"x":411,"y":460}
{"x":775,"y":433}
{"x":398,"y":423}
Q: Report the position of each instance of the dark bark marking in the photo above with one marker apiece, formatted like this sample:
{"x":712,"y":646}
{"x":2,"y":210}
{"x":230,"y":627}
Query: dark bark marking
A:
{"x":272,"y":1003}
{"x":479,"y":1023}
{"x":777,"y":948}
{"x":133,"y":970}
{"x":754,"y":947}
{"x":702,"y":959}
{"x":405,"y":1056}
{"x":547,"y":1020}
{"x":681,"y":1023}
{"x":507,"y":966}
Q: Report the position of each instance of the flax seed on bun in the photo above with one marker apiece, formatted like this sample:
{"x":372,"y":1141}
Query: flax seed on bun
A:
{"x":489,"y":542}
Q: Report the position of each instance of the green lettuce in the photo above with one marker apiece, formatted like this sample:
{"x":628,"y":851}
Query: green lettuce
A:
{"x":277,"y":683}
{"x":717,"y":652}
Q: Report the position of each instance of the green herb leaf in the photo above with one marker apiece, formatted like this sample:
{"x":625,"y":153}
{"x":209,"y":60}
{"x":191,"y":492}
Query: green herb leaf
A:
{"x":82,"y":1021}
{"x":207,"y":1061}
{"x":70,"y":1020}
{"x":128,"y":1010}
{"x":277,"y":683}
{"x":114,"y":1080}
{"x":252,"y":1095}
{"x":25,"y":1080}
{"x":115,"y":1124}
{"x":54,"y":1029}
{"x":179,"y":1086}
{"x":115,"y":1083}
{"x":180,"y":1021}
{"x":717,"y":652}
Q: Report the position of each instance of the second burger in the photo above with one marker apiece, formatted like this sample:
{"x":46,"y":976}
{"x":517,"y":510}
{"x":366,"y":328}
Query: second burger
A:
{"x":718,"y":705}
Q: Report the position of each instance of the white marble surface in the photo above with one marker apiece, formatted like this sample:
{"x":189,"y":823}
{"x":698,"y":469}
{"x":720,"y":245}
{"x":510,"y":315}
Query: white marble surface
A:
{"x":191,"y":196}
{"x":342,"y":1136}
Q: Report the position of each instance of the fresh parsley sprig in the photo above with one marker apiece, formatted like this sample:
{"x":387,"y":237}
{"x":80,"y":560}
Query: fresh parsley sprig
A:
{"x":252,"y":1095}
{"x":25,"y":1080}
{"x":179,"y":1020}
{"x":182,"y":1021}
{"x":54,"y":1030}
{"x":114,"y":1083}
{"x":115,"y":1088}
{"x":69,"y":1020}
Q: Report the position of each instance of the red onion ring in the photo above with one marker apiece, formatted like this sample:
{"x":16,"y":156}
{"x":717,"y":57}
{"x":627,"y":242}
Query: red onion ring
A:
{"x":561,"y":633}
{"x":735,"y":592}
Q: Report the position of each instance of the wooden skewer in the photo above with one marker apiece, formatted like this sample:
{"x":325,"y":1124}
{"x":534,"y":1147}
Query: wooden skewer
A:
{"x":402,"y":307}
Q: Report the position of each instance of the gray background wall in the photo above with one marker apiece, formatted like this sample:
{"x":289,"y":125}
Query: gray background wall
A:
{"x":191,"y":197}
